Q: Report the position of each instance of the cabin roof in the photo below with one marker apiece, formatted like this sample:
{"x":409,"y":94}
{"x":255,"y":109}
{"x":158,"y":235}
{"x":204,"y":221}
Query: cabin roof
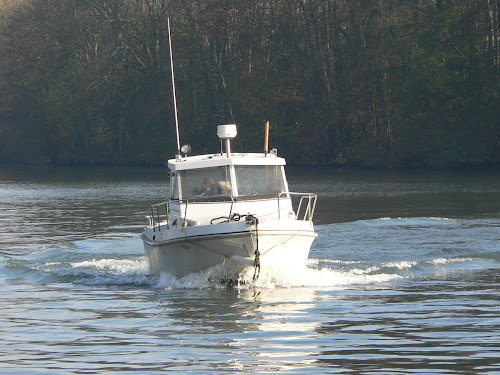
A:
{"x":218,"y":160}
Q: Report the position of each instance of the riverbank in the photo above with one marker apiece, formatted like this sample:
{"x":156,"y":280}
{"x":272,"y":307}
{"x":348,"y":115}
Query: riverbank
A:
{"x":294,"y":166}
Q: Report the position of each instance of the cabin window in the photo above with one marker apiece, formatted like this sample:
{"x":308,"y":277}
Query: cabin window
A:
{"x":174,"y":187}
{"x":259,"y":180}
{"x":206,"y":182}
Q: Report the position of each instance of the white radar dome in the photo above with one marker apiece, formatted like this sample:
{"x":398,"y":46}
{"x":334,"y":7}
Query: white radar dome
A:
{"x":226,"y":131}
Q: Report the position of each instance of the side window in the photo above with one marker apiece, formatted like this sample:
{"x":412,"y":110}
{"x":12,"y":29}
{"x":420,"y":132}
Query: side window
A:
{"x":174,"y":186}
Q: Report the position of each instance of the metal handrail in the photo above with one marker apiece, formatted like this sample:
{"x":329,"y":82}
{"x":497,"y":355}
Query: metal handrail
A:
{"x":203,"y":199}
{"x":308,"y":211}
{"x":155,"y":208}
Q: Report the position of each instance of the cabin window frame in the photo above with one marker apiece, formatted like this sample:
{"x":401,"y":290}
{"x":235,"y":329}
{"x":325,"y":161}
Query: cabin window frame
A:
{"x":189,"y":183}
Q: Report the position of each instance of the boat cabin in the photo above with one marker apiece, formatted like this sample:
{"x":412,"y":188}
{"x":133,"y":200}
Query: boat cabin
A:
{"x":241,"y":176}
{"x":208,"y":186}
{"x":240,"y":183}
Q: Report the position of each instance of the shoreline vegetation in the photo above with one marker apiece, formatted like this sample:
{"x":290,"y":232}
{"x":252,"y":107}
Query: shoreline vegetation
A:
{"x":493,"y":168}
{"x":385,"y":84}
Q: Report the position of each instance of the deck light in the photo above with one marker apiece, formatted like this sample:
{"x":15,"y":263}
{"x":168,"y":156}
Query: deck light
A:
{"x":186,"y":149}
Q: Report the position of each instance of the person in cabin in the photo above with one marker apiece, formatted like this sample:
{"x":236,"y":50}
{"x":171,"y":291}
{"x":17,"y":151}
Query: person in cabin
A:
{"x":207,"y":188}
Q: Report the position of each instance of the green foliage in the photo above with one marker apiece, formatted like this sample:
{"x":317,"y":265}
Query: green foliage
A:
{"x":447,"y":82}
{"x":386,"y":83}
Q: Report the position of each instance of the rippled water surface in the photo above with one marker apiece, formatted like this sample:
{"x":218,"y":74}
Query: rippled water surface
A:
{"x":403,"y":278}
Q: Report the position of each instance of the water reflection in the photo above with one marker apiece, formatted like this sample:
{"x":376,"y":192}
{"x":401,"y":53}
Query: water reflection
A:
{"x":420,"y":325}
{"x":387,"y":295}
{"x":266,"y":325}
{"x":42,"y":206}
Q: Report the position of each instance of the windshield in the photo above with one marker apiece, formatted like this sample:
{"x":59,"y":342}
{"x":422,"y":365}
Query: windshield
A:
{"x":259,"y":180}
{"x":206,"y":182}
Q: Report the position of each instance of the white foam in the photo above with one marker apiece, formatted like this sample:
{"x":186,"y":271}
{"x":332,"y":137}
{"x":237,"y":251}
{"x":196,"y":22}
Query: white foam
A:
{"x":125,"y":271}
{"x":405,"y":221}
{"x":271,"y":278}
{"x":441,"y":261}
{"x":116,"y":266}
{"x":112,"y":272}
{"x":325,"y":277}
{"x":361,"y":271}
{"x":312,"y":262}
{"x":403,"y":265}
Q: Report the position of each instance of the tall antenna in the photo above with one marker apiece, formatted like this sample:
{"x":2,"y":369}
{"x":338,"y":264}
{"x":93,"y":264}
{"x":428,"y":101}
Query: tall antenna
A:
{"x":173,"y":88}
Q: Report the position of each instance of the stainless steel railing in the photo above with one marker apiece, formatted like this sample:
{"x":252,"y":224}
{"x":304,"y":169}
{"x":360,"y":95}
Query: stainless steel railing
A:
{"x":161,"y":211}
{"x":157,"y":209}
{"x":308,"y":208}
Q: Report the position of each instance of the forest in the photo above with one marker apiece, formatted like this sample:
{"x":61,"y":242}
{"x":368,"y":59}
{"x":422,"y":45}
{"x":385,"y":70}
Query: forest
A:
{"x":370,"y":83}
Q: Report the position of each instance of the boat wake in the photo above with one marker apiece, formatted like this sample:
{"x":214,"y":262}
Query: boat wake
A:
{"x":127,"y":272}
{"x":130,"y":273}
{"x":356,"y":254}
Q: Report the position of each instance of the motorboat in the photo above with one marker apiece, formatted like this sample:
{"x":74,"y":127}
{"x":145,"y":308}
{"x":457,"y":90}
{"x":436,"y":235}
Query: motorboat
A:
{"x":229,"y":209}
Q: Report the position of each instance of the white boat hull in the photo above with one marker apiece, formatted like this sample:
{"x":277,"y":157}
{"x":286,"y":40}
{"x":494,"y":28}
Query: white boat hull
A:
{"x":192,"y":249}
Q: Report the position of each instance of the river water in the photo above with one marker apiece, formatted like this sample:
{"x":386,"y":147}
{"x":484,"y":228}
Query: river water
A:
{"x":403,"y":278}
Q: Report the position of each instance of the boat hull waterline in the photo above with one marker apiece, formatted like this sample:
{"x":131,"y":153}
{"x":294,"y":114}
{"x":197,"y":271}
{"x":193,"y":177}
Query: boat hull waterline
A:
{"x":187,"y":250}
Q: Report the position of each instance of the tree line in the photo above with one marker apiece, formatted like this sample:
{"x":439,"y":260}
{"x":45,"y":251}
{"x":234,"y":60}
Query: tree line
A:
{"x":384,"y":83}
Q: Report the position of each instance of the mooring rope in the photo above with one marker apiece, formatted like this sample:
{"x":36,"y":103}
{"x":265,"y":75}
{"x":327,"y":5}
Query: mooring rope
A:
{"x":249,"y":219}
